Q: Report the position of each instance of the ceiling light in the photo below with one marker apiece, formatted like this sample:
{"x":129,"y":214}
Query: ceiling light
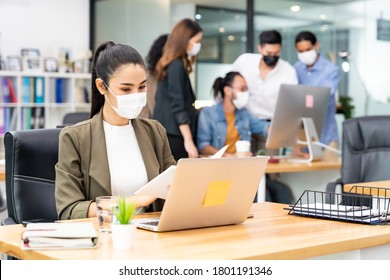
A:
{"x":221,"y":29}
{"x":324,"y":27}
{"x":323,"y":17}
{"x":198,"y":16}
{"x":231,"y":38}
{"x":295,"y":8}
{"x":345,"y":66}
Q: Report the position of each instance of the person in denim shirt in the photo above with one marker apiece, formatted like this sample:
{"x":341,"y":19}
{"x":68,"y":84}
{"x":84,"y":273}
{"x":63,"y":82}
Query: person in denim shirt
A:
{"x":228,"y":121}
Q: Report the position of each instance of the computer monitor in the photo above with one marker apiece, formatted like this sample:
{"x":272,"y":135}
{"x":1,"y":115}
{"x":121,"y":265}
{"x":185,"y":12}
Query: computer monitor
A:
{"x":299,"y":109}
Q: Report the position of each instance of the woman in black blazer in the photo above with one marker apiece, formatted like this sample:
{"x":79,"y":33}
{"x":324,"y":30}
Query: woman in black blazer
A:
{"x":175,"y":99}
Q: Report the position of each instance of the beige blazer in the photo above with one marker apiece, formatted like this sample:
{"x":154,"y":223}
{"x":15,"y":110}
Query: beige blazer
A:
{"x":82,"y":171}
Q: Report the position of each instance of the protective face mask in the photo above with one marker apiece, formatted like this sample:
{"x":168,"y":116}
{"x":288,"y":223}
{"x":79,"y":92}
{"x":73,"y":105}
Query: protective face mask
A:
{"x":270,"y":60}
{"x":241,"y":100}
{"x":195,"y":50}
{"x":129,"y":105}
{"x":307,"y":58}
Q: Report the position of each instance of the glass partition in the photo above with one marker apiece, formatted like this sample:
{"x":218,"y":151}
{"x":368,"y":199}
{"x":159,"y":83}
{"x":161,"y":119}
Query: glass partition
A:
{"x":360,"y":27}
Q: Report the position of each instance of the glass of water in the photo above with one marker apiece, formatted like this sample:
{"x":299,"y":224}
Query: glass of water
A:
{"x":105,"y":206}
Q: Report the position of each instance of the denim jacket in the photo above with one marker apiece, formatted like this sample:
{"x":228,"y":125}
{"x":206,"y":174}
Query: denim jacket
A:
{"x":212,"y":126}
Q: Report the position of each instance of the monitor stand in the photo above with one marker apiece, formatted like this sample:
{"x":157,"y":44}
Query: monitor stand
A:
{"x":311,"y":136}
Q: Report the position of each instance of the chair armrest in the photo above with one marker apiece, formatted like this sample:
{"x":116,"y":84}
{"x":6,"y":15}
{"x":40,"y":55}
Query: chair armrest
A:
{"x":8,"y":221}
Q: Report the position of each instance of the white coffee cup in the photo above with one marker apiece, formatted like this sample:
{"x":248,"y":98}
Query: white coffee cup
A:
{"x":243,"y":148}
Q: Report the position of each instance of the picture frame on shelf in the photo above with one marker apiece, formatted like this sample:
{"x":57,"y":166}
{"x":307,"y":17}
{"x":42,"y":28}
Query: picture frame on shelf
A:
{"x":30,"y":52}
{"x":77,"y":66}
{"x":32,"y":63}
{"x":14,"y":63}
{"x":50,"y":64}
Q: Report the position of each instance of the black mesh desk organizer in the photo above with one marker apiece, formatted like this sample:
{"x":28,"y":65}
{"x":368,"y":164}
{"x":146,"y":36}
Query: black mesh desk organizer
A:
{"x":365,"y":205}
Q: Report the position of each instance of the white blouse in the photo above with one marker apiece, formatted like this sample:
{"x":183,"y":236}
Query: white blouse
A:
{"x":127,"y":167}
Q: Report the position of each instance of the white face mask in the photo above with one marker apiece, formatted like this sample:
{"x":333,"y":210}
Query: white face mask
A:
{"x":307,"y":58}
{"x":129,"y":105}
{"x":195,"y":49}
{"x":241,"y":100}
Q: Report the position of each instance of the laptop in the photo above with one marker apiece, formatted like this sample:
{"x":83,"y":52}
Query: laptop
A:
{"x":207,"y":192}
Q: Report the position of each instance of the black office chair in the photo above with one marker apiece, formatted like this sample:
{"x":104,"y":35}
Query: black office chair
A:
{"x":365,"y":151}
{"x":30,"y":157}
{"x":75,"y":117}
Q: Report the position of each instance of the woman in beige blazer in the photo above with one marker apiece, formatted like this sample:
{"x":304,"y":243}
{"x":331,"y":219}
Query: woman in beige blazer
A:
{"x":89,"y":154}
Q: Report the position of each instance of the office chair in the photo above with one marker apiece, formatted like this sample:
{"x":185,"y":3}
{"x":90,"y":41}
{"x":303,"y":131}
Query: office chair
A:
{"x":75,"y":117}
{"x":30,"y":175}
{"x":365,"y":151}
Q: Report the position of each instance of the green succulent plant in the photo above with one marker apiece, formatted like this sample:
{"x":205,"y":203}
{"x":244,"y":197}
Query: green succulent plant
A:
{"x":125,"y":211}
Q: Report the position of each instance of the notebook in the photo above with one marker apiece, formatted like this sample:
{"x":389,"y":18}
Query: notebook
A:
{"x":73,"y":235}
{"x":208,"y":192}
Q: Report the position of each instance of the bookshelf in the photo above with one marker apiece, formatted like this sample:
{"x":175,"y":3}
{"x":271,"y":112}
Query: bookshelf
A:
{"x":31,"y":100}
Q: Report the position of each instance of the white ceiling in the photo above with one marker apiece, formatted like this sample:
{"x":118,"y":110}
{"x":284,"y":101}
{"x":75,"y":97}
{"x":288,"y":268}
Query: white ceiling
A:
{"x":261,"y":5}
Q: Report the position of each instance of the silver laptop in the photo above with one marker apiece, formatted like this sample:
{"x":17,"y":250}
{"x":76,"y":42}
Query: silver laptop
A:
{"x":208,"y":192}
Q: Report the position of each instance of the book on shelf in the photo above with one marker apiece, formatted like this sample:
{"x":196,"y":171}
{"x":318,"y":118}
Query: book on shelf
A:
{"x":2,"y":123}
{"x":26,"y":84}
{"x":10,"y":119}
{"x":12,"y":93}
{"x":39,"y":90}
{"x":32,"y":90}
{"x":27,"y":122}
{"x":59,"y":90}
{"x":5,"y":92}
{"x":82,"y":95}
{"x":69,"y":235}
{"x":37,"y":117}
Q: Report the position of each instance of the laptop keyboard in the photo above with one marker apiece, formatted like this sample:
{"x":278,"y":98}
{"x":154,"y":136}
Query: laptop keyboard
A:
{"x":151,"y":222}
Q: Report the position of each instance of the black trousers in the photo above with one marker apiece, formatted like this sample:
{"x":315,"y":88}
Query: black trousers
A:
{"x":177,"y":147}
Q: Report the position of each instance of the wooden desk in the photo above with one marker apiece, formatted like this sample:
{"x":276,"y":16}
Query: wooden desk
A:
{"x":321,"y":172}
{"x":379,"y":184}
{"x":271,"y":234}
{"x":285,"y":166}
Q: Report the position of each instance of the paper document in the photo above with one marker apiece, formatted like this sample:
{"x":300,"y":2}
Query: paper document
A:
{"x":220,"y":153}
{"x":159,"y":186}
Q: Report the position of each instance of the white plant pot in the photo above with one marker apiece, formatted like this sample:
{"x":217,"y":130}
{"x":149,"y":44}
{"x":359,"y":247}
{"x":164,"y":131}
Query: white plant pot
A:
{"x":122,"y":236}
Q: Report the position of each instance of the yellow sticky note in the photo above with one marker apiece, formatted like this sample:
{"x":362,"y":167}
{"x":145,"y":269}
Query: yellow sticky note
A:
{"x":216,"y":193}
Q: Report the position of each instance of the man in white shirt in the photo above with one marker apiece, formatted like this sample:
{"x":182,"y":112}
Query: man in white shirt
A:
{"x":264,"y":73}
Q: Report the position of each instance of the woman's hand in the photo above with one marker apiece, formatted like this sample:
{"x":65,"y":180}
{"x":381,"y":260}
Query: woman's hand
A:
{"x":189,"y":145}
{"x":141,"y":200}
{"x":191,"y":149}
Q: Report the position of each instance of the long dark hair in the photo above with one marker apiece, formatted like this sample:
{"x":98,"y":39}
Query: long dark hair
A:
{"x":108,"y":58}
{"x":220,"y":83}
{"x":155,"y":53}
{"x":176,"y":46}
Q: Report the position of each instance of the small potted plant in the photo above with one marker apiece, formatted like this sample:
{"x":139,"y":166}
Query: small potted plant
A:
{"x":122,"y":228}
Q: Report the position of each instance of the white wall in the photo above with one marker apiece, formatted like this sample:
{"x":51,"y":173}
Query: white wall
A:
{"x":181,"y":11}
{"x":206,"y":74}
{"x":44,"y":24}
